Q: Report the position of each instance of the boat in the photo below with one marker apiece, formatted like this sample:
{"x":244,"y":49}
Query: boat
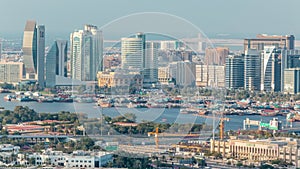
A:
{"x":8,"y":98}
{"x":104,"y":103}
{"x":269,"y":113}
{"x":84,"y":100}
{"x":297,"y":107}
{"x":290,"y":117}
{"x":156,"y":105}
{"x":132,"y":105}
{"x":193,"y":111}
{"x":25,"y":99}
{"x":45,"y":100}
{"x":204,"y":112}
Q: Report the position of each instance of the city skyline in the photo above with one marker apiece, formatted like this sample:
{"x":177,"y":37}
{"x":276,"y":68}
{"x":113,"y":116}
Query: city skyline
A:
{"x":150,"y":84}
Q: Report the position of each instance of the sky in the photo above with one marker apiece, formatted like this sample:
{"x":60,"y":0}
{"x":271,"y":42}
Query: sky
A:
{"x":236,"y":17}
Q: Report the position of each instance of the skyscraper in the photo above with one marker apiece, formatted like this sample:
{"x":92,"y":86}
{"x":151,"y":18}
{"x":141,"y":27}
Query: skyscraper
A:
{"x":270,"y":69}
{"x":234,"y":71}
{"x":132,"y":53}
{"x":252,"y":70}
{"x":86,"y":48}
{"x":34,"y":52}
{"x":261,"y":40}
{"x":0,"y":50}
{"x":292,"y":80}
{"x":151,"y":63}
{"x":289,"y":59}
{"x":185,"y":73}
{"x":41,"y":54}
{"x":210,"y":76}
{"x":97,"y":48}
{"x":216,"y":56}
{"x":56,"y":62}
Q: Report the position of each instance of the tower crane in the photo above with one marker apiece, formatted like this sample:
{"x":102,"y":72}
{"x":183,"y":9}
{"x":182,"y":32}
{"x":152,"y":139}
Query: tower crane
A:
{"x":155,"y":136}
{"x":221,"y":123}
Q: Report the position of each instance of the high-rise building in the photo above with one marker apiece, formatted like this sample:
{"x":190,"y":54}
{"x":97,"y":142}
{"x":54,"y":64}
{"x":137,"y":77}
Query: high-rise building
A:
{"x":216,"y":56}
{"x":234,"y":71}
{"x":292,"y":81}
{"x":171,"y":45}
{"x":270,"y":69}
{"x":78,"y":45}
{"x":261,"y":40}
{"x":289,"y":59}
{"x":86,"y":48}
{"x":180,"y":55}
{"x":97,"y":39}
{"x":185,"y":73}
{"x":210,"y":76}
{"x":41,"y":54}
{"x":132,"y":53}
{"x":34,"y":52}
{"x":11,"y":72}
{"x":151,"y":63}
{"x":252,"y":72}
{"x":0,"y":50}
{"x":56,"y":62}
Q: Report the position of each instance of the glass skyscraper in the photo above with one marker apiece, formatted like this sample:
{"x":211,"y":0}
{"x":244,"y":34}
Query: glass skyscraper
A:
{"x":34,"y":52}
{"x":56,"y":62}
{"x":132,"y":50}
{"x":234,"y":74}
{"x":86,"y":48}
{"x":252,"y":70}
{"x":271,"y":69}
{"x":151,"y":62}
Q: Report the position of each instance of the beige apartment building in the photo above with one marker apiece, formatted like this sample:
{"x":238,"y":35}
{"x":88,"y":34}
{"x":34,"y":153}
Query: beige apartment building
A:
{"x":216,"y":56}
{"x":11,"y":72}
{"x":119,"y":79}
{"x":210,"y":76}
{"x":287,"y":149}
{"x":164,"y":76}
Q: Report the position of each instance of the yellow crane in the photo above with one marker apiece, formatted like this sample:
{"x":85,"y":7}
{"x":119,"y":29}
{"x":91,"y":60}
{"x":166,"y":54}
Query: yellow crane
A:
{"x":155,"y":136}
{"x":221,"y":127}
{"x":221,"y":124}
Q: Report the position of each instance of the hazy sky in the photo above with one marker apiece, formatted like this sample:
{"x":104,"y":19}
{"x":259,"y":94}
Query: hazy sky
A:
{"x":245,"y":17}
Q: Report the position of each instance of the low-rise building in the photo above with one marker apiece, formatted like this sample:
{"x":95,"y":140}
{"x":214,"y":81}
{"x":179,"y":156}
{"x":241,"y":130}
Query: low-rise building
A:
{"x":9,"y":148}
{"x":119,"y":79}
{"x":286,"y":149}
{"x":84,"y":159}
{"x":77,"y":159}
{"x":20,"y":128}
{"x":7,"y":151}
